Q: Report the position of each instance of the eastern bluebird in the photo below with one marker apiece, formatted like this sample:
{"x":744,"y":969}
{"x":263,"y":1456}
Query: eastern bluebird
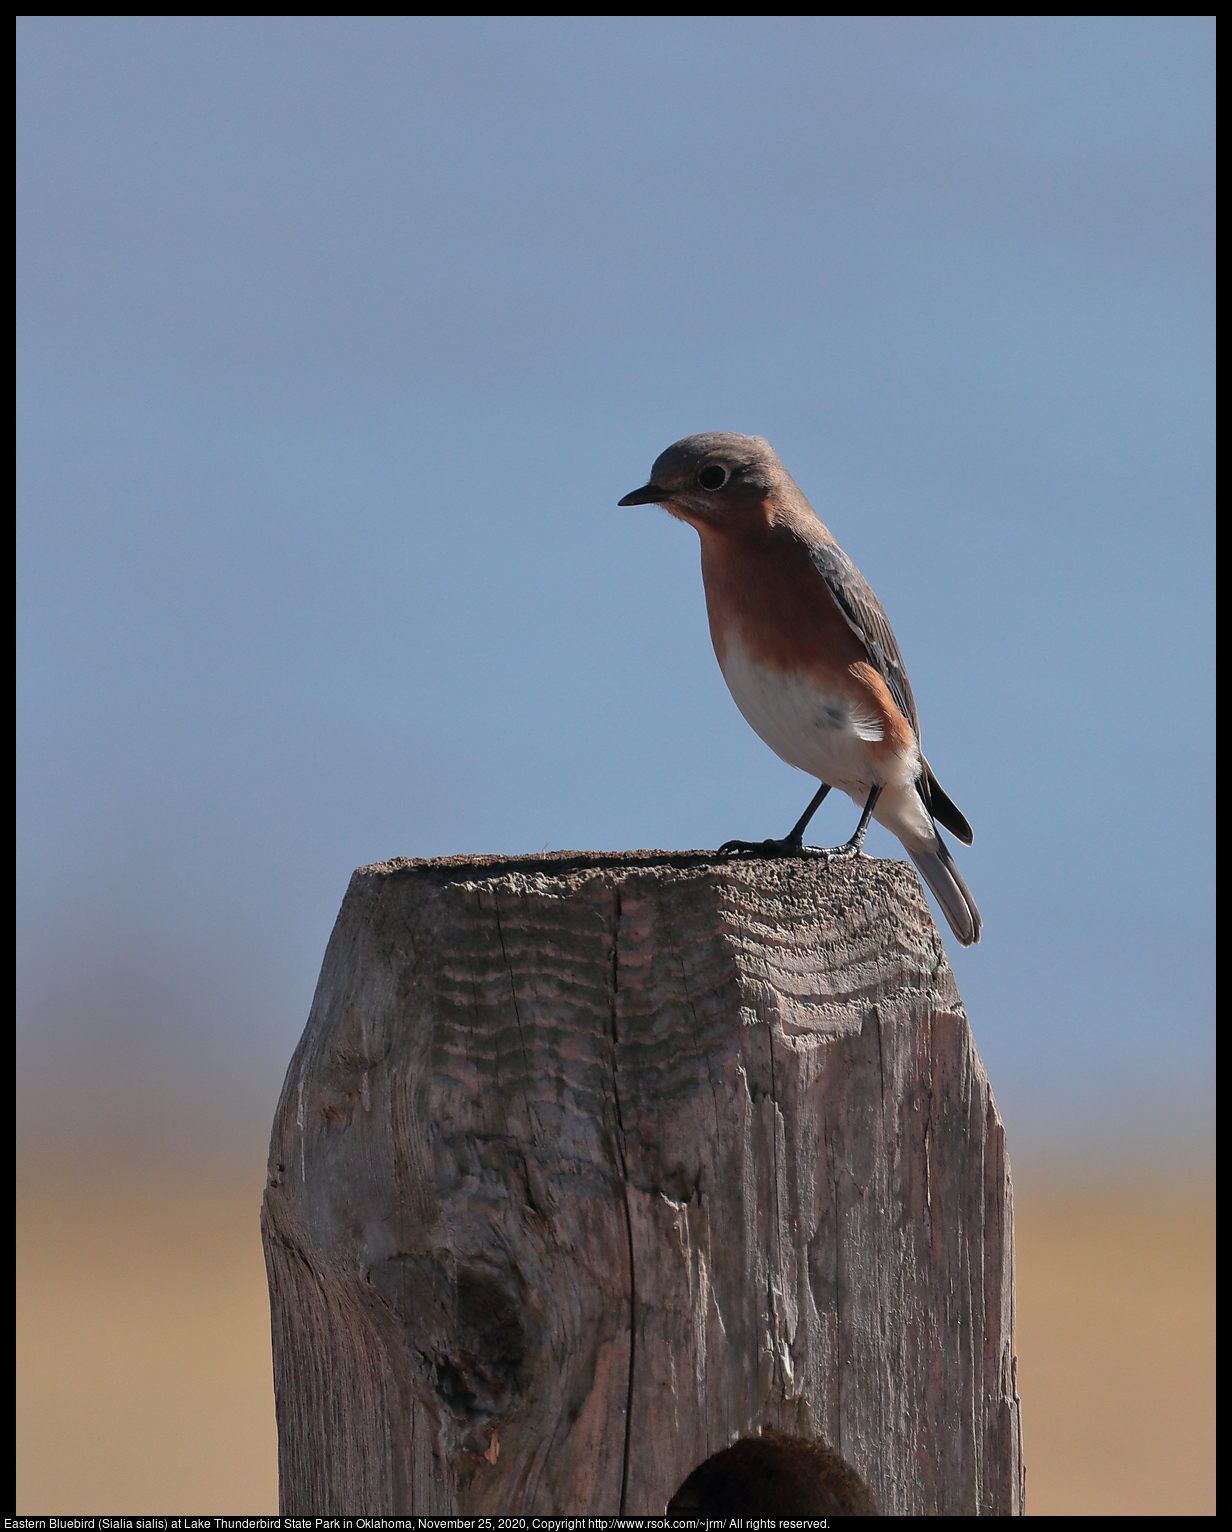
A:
{"x":808,"y":654}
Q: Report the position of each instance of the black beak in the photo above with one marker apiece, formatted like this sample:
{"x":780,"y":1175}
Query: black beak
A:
{"x":649,"y":494}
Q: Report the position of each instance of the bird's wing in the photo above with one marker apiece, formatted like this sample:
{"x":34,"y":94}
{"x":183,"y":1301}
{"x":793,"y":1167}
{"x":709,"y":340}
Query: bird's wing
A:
{"x":941,"y":806}
{"x":867,"y":621}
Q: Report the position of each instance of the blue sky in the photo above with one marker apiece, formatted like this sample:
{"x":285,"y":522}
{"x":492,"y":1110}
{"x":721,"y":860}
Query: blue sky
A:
{"x":340,"y":339}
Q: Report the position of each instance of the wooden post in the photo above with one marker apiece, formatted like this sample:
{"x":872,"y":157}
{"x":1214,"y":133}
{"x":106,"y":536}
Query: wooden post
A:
{"x":600,"y":1183}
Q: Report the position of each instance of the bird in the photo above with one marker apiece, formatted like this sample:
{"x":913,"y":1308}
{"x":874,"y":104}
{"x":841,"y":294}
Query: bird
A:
{"x":809,"y":656}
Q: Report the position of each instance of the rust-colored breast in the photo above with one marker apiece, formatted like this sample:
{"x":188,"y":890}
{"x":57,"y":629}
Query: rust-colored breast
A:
{"x":763,"y":589}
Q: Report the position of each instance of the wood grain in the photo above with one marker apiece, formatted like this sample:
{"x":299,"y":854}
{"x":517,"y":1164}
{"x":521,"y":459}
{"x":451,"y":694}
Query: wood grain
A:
{"x":588,"y":1167}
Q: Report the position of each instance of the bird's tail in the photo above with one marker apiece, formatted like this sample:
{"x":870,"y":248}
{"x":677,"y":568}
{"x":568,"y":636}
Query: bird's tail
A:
{"x":952,"y":894}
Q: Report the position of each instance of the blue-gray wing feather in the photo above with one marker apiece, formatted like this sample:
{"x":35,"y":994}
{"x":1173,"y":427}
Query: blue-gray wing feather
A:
{"x":868,"y":622}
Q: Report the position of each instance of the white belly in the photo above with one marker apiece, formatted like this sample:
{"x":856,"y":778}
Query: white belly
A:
{"x":825,"y":734}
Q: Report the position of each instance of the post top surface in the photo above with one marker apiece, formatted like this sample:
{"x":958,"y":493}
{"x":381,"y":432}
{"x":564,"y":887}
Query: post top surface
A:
{"x":568,"y":866}
{"x":549,"y":862}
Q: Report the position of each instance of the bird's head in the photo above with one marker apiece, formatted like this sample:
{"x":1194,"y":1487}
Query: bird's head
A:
{"x":716,"y":479}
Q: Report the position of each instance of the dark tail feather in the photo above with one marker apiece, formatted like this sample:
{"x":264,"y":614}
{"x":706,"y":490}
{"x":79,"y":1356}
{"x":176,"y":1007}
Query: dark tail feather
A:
{"x":939,"y":804}
{"x":951,"y":893}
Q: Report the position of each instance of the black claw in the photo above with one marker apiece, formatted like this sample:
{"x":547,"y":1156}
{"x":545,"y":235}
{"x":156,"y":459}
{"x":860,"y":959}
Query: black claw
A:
{"x":769,"y":848}
{"x":793,"y":844}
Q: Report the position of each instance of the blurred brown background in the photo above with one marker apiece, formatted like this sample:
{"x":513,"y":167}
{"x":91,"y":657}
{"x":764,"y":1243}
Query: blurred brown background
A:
{"x":144,"y":1363}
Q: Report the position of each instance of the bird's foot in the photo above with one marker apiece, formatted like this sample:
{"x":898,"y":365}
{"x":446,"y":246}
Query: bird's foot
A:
{"x":789,"y":847}
{"x":845,"y":852}
{"x":770,"y":848}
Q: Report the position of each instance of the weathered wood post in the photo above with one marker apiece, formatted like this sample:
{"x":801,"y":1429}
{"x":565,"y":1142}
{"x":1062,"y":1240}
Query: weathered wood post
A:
{"x":609,"y":1182}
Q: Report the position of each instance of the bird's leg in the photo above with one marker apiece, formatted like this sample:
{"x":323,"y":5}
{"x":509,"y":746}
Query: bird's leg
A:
{"x":852,"y":848}
{"x":796,"y":838}
{"x":794,"y":845}
{"x":790,"y":845}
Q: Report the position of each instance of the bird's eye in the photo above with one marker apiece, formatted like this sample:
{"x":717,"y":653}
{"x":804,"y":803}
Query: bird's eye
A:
{"x":713,"y":477}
